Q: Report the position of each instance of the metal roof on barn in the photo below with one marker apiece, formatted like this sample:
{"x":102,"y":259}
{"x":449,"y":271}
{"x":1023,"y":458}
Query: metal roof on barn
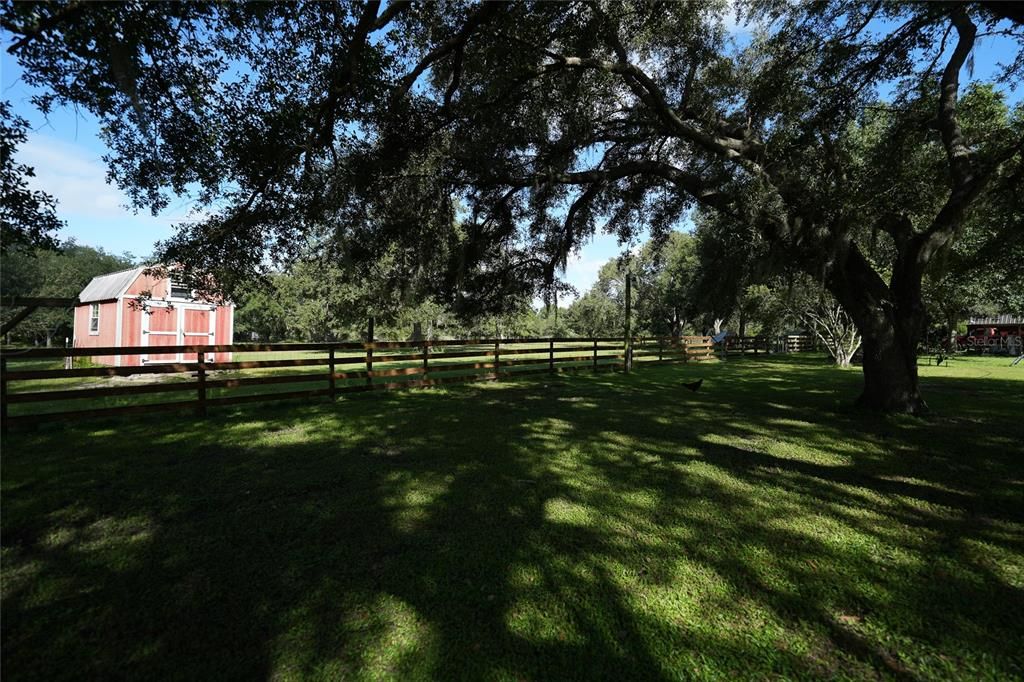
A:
{"x":107,"y":287}
{"x":997,"y":320}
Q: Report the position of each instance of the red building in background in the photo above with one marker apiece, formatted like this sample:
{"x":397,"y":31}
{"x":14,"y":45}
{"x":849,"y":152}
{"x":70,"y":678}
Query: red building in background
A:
{"x":109,"y":315}
{"x":1000,"y":334}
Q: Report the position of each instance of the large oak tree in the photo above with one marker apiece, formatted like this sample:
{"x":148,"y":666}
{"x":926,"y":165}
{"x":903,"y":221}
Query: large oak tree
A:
{"x":484,"y":143}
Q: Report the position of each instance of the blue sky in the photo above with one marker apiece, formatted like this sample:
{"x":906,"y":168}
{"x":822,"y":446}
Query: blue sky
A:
{"x":67,"y":153}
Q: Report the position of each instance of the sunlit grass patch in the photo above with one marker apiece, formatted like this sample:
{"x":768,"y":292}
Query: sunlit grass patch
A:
{"x":594,"y":526}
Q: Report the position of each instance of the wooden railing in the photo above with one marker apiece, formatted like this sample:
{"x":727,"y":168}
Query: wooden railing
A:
{"x":796,"y":343}
{"x":741,"y":345}
{"x":324,"y":369}
{"x":674,"y":349}
{"x":792,"y":343}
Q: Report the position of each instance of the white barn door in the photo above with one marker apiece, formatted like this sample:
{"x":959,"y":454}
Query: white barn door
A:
{"x":180,"y":325}
{"x":197,"y":328}
{"x":160,"y":328}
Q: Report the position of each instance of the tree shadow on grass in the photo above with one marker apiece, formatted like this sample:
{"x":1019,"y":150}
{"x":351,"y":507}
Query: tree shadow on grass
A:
{"x":594,"y":526}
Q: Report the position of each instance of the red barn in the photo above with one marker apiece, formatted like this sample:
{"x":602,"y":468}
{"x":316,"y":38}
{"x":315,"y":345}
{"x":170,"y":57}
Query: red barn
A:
{"x":108,"y":315}
{"x":998,"y":334}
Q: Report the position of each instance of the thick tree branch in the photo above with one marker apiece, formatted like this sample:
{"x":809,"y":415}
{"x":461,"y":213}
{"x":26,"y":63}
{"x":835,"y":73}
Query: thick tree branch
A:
{"x":46,"y":23}
{"x":899,"y":227}
{"x":1011,"y":11}
{"x":966,"y":178}
{"x":736,"y":149}
{"x":456,"y":43}
{"x":453,"y":86}
{"x":960,"y":161}
{"x":344,"y":69}
{"x":690,"y":183}
{"x":568,"y":229}
{"x":393,"y":9}
{"x":610,"y":33}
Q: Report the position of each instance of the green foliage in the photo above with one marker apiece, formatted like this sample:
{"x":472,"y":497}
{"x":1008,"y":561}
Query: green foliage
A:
{"x":317,"y":300}
{"x":406,"y":118}
{"x":28,"y":217}
{"x":596,"y":314}
{"x":60,"y":273}
{"x":662,"y":274}
{"x":260,"y":313}
{"x":474,"y":147}
{"x":667,"y":301}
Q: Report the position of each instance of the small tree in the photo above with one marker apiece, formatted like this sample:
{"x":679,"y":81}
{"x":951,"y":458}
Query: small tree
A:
{"x":834,"y":328}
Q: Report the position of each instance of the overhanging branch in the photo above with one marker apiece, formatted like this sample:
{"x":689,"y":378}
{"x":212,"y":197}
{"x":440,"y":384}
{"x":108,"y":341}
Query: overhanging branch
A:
{"x":690,"y":183}
{"x":456,"y":43}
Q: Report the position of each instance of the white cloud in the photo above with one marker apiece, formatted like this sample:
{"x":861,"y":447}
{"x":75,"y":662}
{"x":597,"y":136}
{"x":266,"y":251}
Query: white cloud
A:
{"x":581,"y":272}
{"x":66,"y":171}
{"x":96,"y":212}
{"x":78,"y":180}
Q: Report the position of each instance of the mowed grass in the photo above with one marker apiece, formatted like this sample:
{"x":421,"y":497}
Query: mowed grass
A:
{"x":578,"y":527}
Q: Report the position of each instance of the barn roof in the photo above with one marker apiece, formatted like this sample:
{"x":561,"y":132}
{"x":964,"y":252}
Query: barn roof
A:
{"x":107,"y":287}
{"x":997,"y":320}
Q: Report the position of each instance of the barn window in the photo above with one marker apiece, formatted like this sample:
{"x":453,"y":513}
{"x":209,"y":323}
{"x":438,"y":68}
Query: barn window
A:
{"x":180,"y":290}
{"x":94,"y":318}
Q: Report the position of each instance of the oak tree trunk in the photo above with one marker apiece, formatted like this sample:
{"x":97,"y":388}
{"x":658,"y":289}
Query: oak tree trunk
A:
{"x":890,"y":375}
{"x":890,"y":318}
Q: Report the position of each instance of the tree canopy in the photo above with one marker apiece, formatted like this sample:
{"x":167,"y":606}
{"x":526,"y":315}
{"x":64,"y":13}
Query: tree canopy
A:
{"x":61,"y":271}
{"x":28,"y":217}
{"x":481,"y":144}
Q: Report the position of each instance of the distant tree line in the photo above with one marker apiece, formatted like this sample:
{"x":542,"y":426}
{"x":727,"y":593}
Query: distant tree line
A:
{"x":58,"y":272}
{"x":688,"y":283}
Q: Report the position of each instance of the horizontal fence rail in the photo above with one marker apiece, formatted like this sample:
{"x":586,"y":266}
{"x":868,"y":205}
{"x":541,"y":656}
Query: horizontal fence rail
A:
{"x":795,"y":343}
{"x":741,"y":345}
{"x":40,"y":393}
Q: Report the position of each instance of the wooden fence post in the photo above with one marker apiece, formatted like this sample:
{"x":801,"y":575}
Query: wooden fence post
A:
{"x":497,"y":357}
{"x":551,"y":356}
{"x":595,"y":355}
{"x":369,"y":352}
{"x":331,"y":375}
{"x":661,"y":349}
{"x":201,"y":388}
{"x":426,"y":355}
{"x":3,"y":395}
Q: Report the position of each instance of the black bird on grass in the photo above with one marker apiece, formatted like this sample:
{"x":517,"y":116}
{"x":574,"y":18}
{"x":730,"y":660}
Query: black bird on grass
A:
{"x":694,"y":385}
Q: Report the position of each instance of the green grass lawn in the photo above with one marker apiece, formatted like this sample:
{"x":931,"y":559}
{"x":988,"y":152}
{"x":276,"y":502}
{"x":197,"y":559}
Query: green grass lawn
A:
{"x":543,"y":528}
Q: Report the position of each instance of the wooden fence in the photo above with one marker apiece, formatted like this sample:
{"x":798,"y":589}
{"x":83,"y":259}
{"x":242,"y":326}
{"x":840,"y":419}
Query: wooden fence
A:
{"x":791,"y":343}
{"x":796,"y":343}
{"x":677,"y":349}
{"x":324,"y":369}
{"x":741,"y":345}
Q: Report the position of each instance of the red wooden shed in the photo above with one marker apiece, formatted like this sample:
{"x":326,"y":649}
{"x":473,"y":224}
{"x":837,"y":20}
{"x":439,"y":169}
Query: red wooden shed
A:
{"x":108,"y":314}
